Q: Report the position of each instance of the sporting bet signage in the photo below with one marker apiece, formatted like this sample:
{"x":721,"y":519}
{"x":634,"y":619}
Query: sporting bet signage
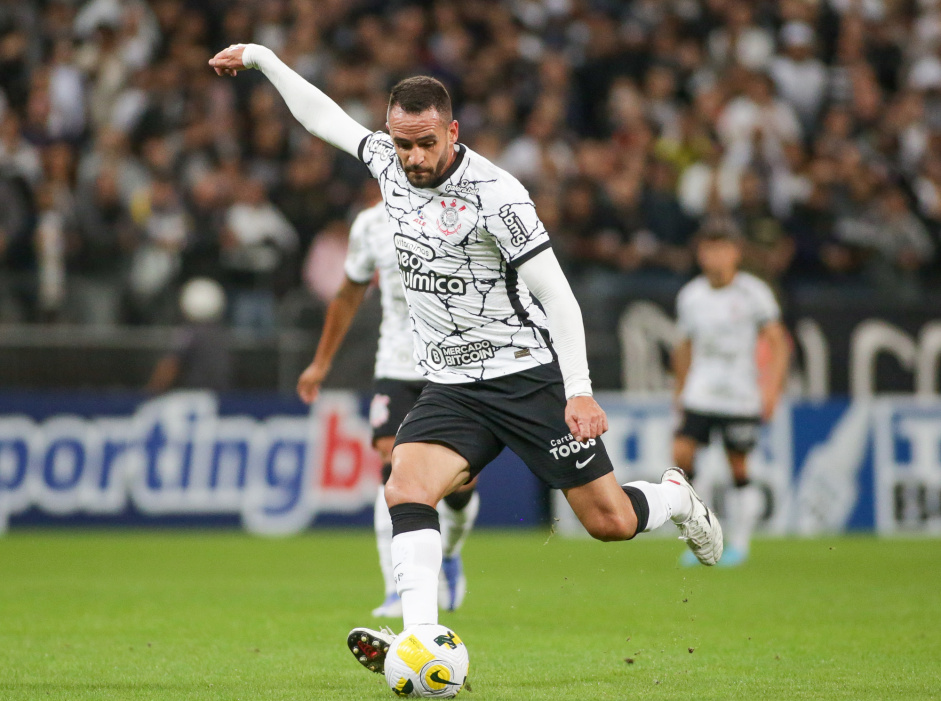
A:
{"x":276,"y":467}
{"x":176,"y":455}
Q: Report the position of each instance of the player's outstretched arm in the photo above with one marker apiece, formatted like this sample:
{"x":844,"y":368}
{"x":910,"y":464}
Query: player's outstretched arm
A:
{"x":545,"y":279}
{"x":340,"y":315}
{"x":320,"y":115}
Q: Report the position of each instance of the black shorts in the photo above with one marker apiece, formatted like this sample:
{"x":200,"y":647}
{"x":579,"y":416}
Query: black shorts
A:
{"x":391,"y":401}
{"x":524,"y":411}
{"x":739,"y":433}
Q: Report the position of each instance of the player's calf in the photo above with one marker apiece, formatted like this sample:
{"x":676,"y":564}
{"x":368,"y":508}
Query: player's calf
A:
{"x":611,"y":527}
{"x":603,"y":510}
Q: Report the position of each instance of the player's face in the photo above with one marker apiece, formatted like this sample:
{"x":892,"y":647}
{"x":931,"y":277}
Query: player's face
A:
{"x":718,"y":258}
{"x":424,"y":143}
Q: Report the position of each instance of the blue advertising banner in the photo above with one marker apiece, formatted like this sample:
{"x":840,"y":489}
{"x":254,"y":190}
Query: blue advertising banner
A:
{"x":824,"y":467}
{"x":273,"y":465}
{"x":270,"y":464}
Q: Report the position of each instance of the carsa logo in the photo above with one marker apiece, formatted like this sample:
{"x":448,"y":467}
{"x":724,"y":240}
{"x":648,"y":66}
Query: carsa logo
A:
{"x":176,"y":455}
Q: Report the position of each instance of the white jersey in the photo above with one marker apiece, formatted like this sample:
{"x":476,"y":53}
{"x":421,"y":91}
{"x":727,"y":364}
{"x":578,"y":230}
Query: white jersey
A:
{"x":723,"y":325}
{"x":458,"y":247}
{"x":371,"y":249}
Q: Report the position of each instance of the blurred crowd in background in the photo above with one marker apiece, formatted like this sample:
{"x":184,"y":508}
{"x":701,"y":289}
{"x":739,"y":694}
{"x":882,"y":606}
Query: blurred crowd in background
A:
{"x":128,"y":167}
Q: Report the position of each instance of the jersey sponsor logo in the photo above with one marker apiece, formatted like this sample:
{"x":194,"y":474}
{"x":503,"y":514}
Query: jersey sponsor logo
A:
{"x":432,"y":282}
{"x":449,"y":222}
{"x":455,"y":356}
{"x":465,"y":187}
{"x":412,"y":255}
{"x":434,"y":357}
{"x":382,"y":149}
{"x":567,"y":445}
{"x":518,"y":233}
{"x":468,"y":353}
{"x":413,"y":247}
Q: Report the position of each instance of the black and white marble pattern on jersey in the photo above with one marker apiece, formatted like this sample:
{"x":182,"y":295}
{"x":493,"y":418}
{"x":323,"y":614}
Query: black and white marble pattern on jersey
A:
{"x":457,"y":244}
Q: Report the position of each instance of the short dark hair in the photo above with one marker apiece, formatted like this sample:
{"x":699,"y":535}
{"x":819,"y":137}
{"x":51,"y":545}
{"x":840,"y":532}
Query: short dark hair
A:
{"x":719,"y":227}
{"x":419,"y":93}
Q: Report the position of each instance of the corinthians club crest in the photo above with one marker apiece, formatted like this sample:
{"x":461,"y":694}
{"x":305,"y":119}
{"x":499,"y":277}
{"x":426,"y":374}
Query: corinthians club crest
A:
{"x":449,"y":221}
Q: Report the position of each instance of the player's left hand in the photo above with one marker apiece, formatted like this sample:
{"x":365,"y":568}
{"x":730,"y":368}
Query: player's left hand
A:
{"x":585,"y":419}
{"x":229,"y":61}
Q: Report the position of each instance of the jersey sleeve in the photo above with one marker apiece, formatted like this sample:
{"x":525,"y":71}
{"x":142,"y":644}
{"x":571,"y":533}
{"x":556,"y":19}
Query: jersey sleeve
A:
{"x":511,"y":218}
{"x":766,"y":306}
{"x":684,"y":326}
{"x":377,"y":152}
{"x":360,"y":262}
{"x":320,"y":115}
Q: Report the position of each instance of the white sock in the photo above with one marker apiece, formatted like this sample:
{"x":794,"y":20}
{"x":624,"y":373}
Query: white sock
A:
{"x":382,"y":522}
{"x":456,"y":525}
{"x":416,"y":558}
{"x":745,"y":507}
{"x":666,"y":501}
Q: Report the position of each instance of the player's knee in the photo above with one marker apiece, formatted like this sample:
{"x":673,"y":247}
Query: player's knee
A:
{"x":403,"y":488}
{"x":399,"y":491}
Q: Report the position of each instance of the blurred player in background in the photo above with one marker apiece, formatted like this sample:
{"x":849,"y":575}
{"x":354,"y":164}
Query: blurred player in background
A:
{"x":397,"y":384}
{"x":201,"y":357}
{"x":503,"y":371}
{"x":723,"y":316}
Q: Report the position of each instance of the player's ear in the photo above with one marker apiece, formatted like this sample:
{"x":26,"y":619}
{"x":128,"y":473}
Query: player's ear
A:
{"x":453,"y":131}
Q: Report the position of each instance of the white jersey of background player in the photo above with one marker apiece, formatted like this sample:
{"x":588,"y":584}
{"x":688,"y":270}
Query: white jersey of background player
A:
{"x":721,"y":315}
{"x":397,"y":384}
{"x":495,"y":380}
{"x":371,"y":250}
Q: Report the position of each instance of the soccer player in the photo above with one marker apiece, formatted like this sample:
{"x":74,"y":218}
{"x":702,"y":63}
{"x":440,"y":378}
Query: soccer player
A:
{"x":723,"y":315}
{"x":473,"y":254}
{"x":396,"y":387}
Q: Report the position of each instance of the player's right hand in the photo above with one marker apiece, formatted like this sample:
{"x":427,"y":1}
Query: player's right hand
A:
{"x":585,"y":419}
{"x":229,"y":60}
{"x":308,"y":385}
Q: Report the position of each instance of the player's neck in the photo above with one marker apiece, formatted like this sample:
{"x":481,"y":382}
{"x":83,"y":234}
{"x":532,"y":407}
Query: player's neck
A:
{"x":722,"y":279}
{"x":451,"y":158}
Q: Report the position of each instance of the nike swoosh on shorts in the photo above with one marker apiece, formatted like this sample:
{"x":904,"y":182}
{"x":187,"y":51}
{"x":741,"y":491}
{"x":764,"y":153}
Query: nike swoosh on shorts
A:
{"x":580,"y":465}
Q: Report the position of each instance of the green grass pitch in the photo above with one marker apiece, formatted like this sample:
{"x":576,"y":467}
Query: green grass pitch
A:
{"x":141,"y":615}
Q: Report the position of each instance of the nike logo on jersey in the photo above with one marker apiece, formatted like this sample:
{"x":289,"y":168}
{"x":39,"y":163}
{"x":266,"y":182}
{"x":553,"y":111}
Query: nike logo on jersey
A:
{"x":579,"y":464}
